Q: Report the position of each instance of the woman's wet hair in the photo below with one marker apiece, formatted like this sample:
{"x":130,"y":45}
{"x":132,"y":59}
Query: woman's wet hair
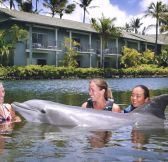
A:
{"x":102,"y":84}
{"x":146,"y":90}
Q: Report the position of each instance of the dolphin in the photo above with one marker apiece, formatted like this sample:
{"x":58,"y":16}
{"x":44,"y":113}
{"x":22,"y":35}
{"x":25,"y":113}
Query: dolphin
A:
{"x":44,"y":111}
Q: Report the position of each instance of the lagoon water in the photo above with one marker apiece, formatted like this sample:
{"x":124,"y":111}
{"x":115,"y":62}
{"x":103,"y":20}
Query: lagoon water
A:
{"x":24,"y":142}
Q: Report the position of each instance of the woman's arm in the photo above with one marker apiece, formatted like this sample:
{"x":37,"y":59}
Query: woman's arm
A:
{"x":84,"y":105}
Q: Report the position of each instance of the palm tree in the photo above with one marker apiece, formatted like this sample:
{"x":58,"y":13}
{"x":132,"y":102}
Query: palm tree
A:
{"x":36,"y":6}
{"x":85,"y":4}
{"x":135,"y":24}
{"x":11,"y":3}
{"x":127,"y":27}
{"x":164,"y":22}
{"x":154,"y":10}
{"x":59,"y":7}
{"x":25,"y":6}
{"x":64,"y":8}
{"x":107,"y":30}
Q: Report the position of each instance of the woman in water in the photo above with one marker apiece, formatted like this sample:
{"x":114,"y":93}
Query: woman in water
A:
{"x":7,"y":114}
{"x":140,"y":95}
{"x":100,"y":96}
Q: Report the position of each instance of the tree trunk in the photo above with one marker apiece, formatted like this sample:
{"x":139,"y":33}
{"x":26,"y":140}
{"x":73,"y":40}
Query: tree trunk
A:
{"x":156,"y":40}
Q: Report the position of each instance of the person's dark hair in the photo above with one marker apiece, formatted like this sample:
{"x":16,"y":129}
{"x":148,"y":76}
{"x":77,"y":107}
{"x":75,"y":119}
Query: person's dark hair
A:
{"x":146,"y":90}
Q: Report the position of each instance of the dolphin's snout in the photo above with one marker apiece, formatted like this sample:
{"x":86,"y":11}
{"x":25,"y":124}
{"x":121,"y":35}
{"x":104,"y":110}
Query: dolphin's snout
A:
{"x":14,"y":104}
{"x":19,"y":106}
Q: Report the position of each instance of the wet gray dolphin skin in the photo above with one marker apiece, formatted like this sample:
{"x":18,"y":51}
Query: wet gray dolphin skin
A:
{"x":44,"y":111}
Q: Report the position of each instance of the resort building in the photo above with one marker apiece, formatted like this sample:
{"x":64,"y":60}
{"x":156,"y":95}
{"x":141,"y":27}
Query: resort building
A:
{"x":44,"y":45}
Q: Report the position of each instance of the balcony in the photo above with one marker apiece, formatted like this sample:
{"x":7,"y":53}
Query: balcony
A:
{"x":46,"y":46}
{"x":108,"y":51}
{"x":84,"y":48}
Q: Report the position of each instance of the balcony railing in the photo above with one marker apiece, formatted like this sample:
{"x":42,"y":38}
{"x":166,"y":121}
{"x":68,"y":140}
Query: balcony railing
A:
{"x":82,"y":48}
{"x":108,"y":51}
{"x":50,"y":45}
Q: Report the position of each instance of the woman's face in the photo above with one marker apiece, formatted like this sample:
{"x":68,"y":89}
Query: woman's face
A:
{"x":138,"y":97}
{"x":95,"y":92}
{"x":2,"y":94}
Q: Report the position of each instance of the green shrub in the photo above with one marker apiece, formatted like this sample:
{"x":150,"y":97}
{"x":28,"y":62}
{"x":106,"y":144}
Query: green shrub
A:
{"x":52,"y":72}
{"x":130,"y":57}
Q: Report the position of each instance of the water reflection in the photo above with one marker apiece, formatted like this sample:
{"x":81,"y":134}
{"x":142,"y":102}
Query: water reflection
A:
{"x":5,"y":132}
{"x":100,"y":138}
{"x":50,"y":142}
{"x":6,"y":128}
{"x":139,"y":138}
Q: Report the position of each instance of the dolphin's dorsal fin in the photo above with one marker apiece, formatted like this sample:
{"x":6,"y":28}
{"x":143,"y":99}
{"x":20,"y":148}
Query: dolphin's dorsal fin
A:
{"x":155,"y":106}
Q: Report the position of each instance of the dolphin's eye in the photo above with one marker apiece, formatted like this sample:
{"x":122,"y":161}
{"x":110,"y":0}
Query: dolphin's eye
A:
{"x":43,"y":111}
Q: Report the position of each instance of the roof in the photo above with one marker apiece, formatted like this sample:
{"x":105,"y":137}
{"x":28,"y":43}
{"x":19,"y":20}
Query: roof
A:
{"x":144,"y":38}
{"x":69,"y":24}
{"x":162,"y":37}
{"x":46,"y":20}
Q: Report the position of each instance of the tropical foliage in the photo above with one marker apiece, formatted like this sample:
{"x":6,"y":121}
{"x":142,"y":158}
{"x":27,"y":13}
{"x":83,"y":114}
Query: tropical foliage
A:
{"x":164,"y":22}
{"x":148,"y":57}
{"x":107,"y":30}
{"x":70,"y":57}
{"x":163,"y":57}
{"x":135,"y":24}
{"x":85,"y":4}
{"x":59,"y":7}
{"x":52,"y":72}
{"x":155,"y":10}
{"x":11,"y":3}
{"x":8,"y":40}
{"x":4,"y":46}
{"x":130,"y":57}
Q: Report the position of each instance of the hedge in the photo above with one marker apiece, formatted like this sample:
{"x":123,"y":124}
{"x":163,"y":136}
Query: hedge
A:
{"x":52,"y":72}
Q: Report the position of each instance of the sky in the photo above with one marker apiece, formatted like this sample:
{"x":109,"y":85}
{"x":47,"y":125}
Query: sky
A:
{"x":123,"y":10}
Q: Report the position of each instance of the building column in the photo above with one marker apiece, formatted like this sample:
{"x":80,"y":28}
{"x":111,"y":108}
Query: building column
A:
{"x":56,"y":37}
{"x":117,"y":52}
{"x":56,"y":58}
{"x":138,"y":46}
{"x":30,"y":45}
{"x":56,"y":46}
{"x":146,"y":46}
{"x":90,"y":50}
{"x":126,"y":43}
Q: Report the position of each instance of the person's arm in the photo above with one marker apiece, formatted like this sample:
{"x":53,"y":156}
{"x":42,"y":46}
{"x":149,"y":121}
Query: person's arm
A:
{"x":116,"y":108}
{"x":84,"y":105}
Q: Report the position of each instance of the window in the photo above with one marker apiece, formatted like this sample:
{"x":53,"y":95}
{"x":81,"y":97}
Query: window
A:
{"x":41,"y":62}
{"x":39,"y":38}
